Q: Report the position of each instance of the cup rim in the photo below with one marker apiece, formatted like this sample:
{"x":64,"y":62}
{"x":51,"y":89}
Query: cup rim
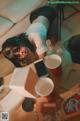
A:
{"x":53,"y":55}
{"x":39,"y":81}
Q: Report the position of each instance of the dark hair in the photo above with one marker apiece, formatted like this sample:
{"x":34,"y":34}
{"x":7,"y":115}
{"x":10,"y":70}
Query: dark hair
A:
{"x":22,"y":39}
{"x":9,"y":44}
{"x":73,"y":47}
{"x":53,"y":33}
{"x":74,"y":43}
{"x":46,"y":11}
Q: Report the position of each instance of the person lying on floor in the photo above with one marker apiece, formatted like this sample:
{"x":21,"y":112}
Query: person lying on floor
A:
{"x":22,"y":49}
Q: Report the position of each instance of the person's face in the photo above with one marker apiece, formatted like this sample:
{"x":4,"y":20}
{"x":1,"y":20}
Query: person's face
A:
{"x":22,"y":52}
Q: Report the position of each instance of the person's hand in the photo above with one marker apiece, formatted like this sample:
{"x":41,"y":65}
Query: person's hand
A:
{"x":39,"y":103}
{"x":42,"y":55}
{"x":42,"y":100}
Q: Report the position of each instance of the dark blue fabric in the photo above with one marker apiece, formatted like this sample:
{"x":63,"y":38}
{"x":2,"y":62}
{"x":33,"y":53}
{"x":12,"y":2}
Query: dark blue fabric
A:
{"x":46,"y":11}
{"x":17,"y":41}
{"x":73,"y":47}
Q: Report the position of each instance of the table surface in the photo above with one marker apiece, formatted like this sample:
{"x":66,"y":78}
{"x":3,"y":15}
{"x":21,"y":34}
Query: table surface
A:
{"x":18,"y":113}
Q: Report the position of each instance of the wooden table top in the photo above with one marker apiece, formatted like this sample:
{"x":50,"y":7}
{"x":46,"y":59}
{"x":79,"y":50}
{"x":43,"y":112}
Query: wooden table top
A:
{"x":18,"y":114}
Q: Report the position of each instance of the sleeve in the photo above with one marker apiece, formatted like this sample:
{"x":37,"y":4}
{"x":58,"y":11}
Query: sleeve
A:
{"x":39,"y":42}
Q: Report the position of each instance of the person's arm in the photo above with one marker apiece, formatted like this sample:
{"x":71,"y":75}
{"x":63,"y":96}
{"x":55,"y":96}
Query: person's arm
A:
{"x":42,"y":55}
{"x":41,"y":47}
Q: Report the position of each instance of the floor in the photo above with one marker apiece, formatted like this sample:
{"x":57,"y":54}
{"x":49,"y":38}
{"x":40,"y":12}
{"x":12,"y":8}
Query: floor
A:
{"x":70,"y":26}
{"x":6,"y":67}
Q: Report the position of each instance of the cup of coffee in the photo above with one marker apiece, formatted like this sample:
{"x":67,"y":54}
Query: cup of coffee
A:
{"x":53,"y":63}
{"x":44,"y":86}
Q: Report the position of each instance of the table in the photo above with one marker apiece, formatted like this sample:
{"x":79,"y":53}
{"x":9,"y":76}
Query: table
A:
{"x":18,"y":111}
